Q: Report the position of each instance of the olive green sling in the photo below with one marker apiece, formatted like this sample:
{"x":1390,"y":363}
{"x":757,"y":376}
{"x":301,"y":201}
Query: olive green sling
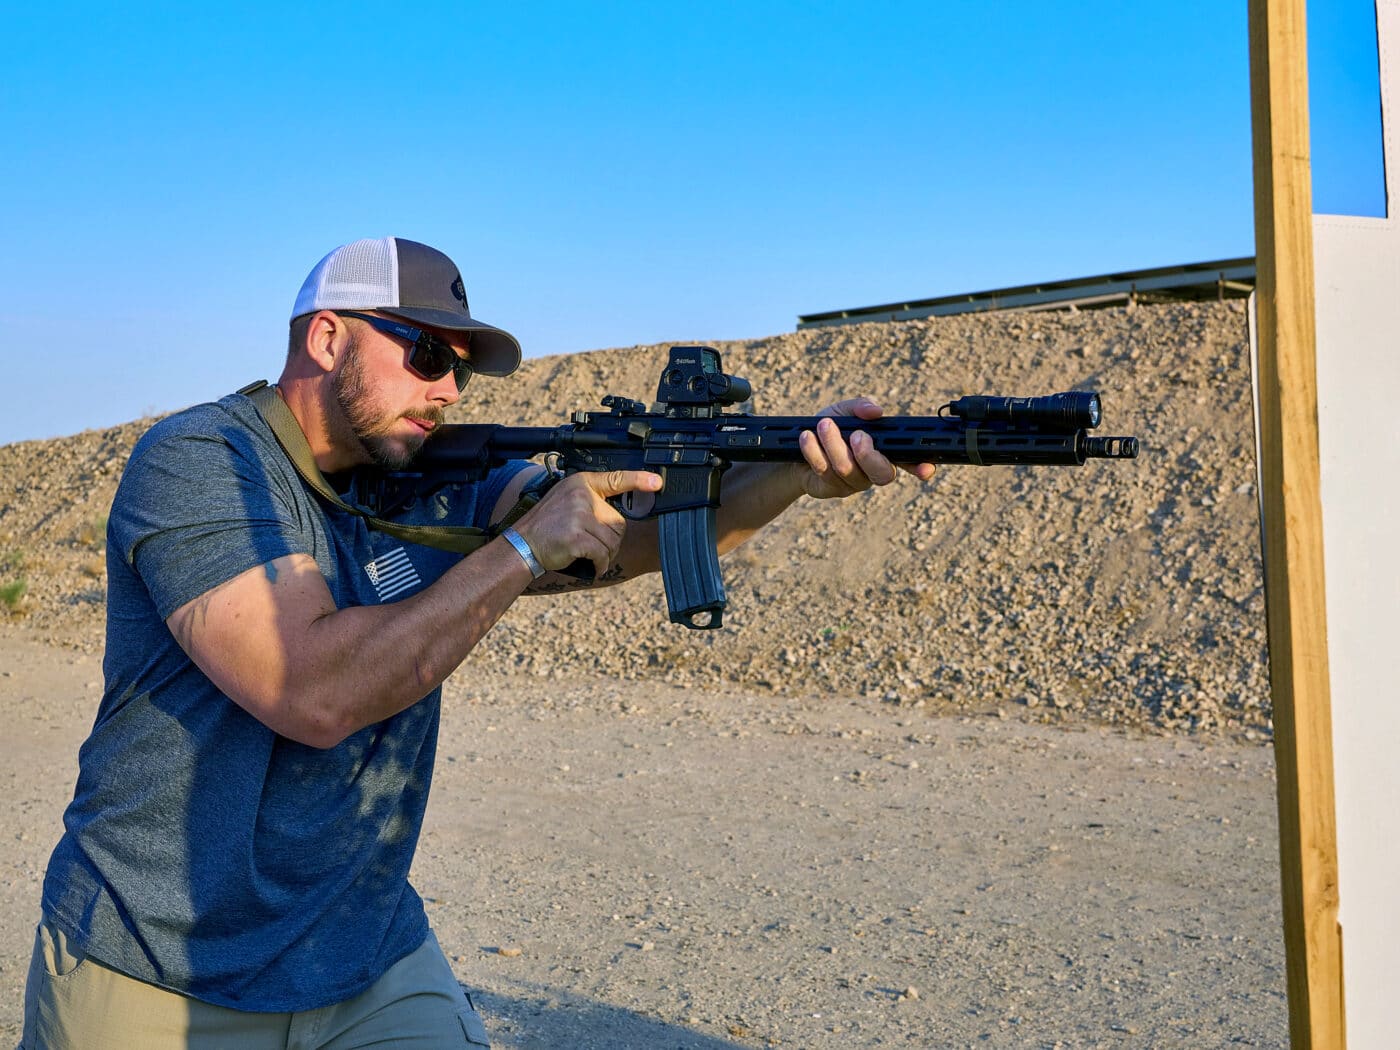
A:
{"x":460,"y":538}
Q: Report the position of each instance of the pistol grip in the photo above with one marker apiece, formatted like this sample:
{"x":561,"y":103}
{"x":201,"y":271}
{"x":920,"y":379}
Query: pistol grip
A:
{"x":690,"y":567}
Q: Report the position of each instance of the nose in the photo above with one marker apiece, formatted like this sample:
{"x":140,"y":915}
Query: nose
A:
{"x":444,"y":389}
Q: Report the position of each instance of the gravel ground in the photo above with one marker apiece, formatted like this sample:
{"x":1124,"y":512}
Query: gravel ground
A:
{"x":630,"y":867}
{"x":984,"y":763}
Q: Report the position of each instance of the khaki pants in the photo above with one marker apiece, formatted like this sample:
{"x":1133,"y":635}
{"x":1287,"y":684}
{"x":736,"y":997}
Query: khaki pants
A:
{"x":75,"y":1003}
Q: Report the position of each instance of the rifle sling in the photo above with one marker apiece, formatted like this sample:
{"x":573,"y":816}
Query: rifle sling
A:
{"x":462,"y":539}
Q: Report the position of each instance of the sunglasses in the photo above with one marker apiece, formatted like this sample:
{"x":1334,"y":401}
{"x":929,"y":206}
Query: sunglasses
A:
{"x":429,"y":356}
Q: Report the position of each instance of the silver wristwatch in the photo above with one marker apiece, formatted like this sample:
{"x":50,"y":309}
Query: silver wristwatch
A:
{"x":523,"y":549}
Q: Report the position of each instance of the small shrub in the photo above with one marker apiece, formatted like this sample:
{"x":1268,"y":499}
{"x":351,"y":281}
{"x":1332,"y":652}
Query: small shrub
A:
{"x":93,"y":532}
{"x":12,"y":594}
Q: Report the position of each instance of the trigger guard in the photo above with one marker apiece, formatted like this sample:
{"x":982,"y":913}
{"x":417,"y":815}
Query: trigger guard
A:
{"x":635,"y":506}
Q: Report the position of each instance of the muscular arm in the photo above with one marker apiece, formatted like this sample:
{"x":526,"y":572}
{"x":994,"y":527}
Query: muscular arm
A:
{"x":273,"y":641}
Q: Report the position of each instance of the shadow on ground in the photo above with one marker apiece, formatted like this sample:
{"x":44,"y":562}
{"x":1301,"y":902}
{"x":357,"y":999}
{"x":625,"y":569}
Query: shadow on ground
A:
{"x":548,"y":1019}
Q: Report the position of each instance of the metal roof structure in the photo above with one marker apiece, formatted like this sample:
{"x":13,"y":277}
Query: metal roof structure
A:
{"x":1193,"y":282}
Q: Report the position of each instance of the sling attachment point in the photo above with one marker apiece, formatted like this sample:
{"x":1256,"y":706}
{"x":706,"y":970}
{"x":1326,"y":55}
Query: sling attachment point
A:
{"x":974,"y":454}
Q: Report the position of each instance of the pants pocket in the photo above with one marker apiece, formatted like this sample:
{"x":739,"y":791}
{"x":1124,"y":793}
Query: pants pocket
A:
{"x":61,"y":957}
{"x":473,"y":1027}
{"x":31,"y":991}
{"x":48,"y":987}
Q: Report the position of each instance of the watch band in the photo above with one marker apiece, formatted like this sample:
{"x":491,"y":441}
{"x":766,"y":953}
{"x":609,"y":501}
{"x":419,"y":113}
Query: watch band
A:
{"x":523,"y":549}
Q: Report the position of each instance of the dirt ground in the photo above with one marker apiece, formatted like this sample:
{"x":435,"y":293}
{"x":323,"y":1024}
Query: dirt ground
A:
{"x":632,"y":865}
{"x":1002,"y":779}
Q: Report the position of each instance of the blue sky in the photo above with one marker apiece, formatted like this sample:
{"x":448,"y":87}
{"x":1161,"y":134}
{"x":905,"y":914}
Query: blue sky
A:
{"x":608,"y":174}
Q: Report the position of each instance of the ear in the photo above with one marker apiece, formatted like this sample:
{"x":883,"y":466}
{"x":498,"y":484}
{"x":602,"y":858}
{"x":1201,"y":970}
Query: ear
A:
{"x":326,"y":338}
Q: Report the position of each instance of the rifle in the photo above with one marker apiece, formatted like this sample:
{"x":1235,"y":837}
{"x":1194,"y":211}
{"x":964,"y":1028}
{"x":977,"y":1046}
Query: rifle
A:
{"x":690,"y":440}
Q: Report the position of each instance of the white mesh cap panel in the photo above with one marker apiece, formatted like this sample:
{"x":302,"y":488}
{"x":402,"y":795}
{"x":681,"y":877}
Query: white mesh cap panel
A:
{"x":362,"y":275}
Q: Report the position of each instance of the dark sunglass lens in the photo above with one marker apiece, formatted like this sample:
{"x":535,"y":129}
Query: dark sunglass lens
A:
{"x":463,"y":369}
{"x":433,"y":359}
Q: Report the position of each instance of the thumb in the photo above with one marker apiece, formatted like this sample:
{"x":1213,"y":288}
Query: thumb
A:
{"x":616,"y":482}
{"x":860,"y":407}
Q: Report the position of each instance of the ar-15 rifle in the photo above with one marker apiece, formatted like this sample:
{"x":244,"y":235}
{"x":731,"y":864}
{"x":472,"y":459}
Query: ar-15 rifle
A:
{"x":690,"y":440}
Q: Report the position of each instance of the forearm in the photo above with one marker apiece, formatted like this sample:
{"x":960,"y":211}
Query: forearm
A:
{"x":755,"y":494}
{"x":273,"y":641}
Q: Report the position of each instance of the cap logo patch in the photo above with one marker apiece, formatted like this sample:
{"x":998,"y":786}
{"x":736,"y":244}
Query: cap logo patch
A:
{"x":459,"y":292}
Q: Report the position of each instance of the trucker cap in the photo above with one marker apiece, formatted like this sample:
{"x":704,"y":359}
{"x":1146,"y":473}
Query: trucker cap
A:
{"x":410,"y":281}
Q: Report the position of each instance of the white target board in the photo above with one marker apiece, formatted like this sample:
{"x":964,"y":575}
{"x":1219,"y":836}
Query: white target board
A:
{"x":1356,"y":278}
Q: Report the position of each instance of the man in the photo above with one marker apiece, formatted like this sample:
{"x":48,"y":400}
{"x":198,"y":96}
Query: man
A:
{"x":234,"y":867}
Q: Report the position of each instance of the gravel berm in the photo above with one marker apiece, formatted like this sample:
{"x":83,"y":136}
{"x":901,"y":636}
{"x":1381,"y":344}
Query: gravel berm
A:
{"x":985,"y":762}
{"x":1122,"y":592}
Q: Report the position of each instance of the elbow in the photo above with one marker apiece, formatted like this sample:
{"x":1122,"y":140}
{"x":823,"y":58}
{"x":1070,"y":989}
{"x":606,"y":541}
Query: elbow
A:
{"x":318,"y":725}
{"x":324,"y":716}
{"x":302,"y":716}
{"x":322,"y":709}
{"x":320,"y":737}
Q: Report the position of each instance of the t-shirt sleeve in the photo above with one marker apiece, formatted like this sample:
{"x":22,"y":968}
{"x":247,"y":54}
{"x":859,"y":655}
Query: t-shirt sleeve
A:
{"x":493,"y":485}
{"x":194,"y":511}
{"x":470,"y":503}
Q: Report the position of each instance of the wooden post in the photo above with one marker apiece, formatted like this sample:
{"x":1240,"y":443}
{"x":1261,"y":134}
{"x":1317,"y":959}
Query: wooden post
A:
{"x":1293,"y":553}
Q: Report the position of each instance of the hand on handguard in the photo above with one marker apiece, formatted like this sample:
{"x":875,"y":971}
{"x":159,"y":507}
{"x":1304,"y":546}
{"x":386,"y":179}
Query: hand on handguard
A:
{"x":835,"y":468}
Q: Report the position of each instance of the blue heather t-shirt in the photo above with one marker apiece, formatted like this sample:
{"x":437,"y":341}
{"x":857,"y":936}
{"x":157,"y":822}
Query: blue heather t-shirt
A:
{"x":202,"y":851}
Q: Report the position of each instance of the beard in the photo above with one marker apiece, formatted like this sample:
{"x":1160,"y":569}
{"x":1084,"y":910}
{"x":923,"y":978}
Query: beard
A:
{"x":369,"y":422}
